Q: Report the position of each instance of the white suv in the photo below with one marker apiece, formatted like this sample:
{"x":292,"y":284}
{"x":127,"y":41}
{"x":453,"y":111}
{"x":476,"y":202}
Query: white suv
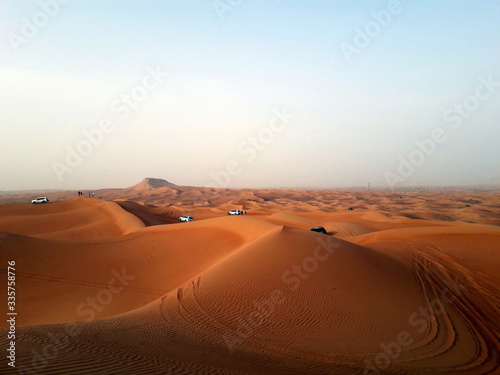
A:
{"x":186,"y":218}
{"x":235,"y":212}
{"x":40,"y":200}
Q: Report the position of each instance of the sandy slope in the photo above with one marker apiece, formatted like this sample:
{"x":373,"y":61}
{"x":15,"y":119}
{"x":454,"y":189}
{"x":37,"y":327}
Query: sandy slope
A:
{"x":255,"y":294}
{"x":76,"y":219}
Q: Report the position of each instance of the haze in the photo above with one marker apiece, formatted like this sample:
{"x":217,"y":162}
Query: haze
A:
{"x":249,"y":93}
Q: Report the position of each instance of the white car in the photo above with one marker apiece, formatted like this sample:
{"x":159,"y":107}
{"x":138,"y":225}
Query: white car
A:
{"x":40,"y":200}
{"x":235,"y":212}
{"x":186,"y":218}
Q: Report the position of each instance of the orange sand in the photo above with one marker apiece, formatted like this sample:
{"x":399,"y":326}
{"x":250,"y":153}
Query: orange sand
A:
{"x":254,"y":294}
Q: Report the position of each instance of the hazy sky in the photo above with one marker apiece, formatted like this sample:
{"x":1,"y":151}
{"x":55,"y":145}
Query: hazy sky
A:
{"x":261,"y":93}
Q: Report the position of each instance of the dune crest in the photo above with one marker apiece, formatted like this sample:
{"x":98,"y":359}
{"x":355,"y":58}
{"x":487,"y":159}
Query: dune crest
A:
{"x":75,"y":219}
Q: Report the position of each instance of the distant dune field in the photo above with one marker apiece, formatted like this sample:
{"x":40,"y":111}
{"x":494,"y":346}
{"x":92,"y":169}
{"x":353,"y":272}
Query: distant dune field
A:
{"x":404,"y":283}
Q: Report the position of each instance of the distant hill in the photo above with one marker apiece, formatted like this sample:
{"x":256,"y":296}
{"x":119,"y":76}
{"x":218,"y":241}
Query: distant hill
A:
{"x":152,"y":183}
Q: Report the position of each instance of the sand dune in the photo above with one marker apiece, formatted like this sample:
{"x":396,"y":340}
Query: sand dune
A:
{"x":152,"y":215}
{"x":75,"y":219}
{"x":58,"y":277}
{"x":252,"y":294}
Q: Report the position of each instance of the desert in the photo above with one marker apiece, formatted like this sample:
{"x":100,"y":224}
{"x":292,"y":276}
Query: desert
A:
{"x":233,"y":187}
{"x":115,"y":284}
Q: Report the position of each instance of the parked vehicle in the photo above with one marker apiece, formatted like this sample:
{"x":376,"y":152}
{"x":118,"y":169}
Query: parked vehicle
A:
{"x":235,"y":212}
{"x":319,"y":230}
{"x":186,"y":218}
{"x":40,"y":200}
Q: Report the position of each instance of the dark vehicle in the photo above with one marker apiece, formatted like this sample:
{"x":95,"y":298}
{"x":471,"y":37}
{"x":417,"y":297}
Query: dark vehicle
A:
{"x":319,"y":230}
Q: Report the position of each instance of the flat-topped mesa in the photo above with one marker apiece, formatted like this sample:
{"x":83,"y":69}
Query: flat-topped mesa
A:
{"x":152,"y":183}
